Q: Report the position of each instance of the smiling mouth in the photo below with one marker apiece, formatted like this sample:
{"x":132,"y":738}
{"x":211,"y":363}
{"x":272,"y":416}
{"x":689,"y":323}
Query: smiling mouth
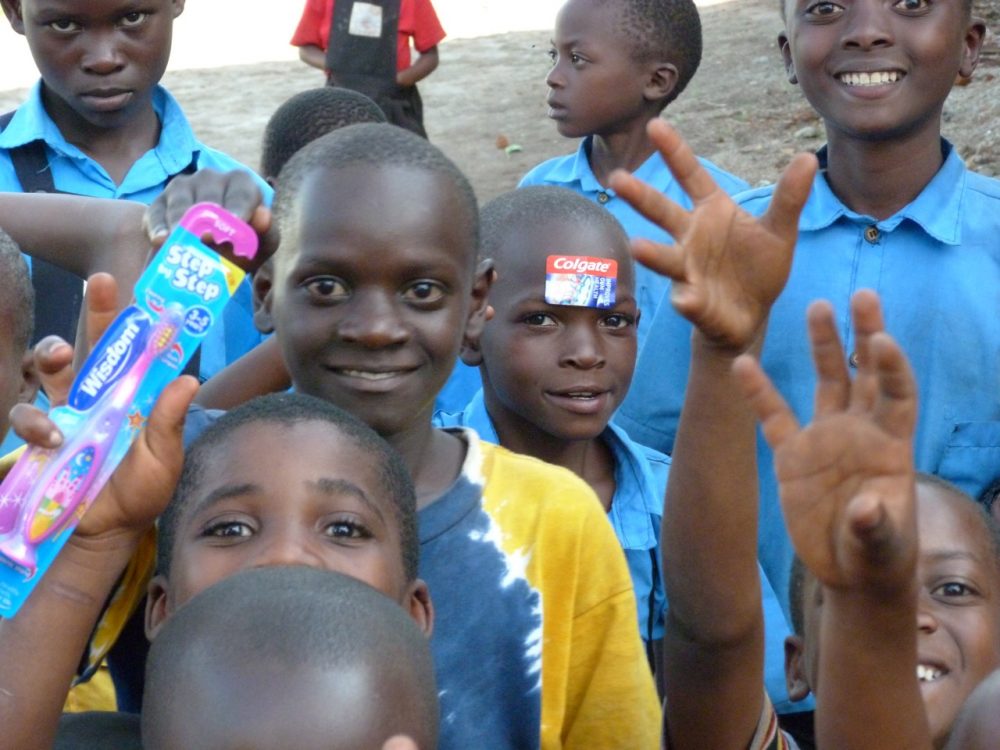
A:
{"x":369,"y":374}
{"x":877,"y":78}
{"x":929,"y":673}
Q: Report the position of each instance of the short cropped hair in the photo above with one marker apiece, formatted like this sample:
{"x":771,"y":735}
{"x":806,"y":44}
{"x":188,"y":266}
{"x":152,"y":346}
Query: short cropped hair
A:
{"x":291,"y":409}
{"x":308,"y":115}
{"x":667,"y":30}
{"x":376,"y":145}
{"x":291,"y":617}
{"x":17,"y":296}
{"x":536,"y":205}
{"x":797,"y":577}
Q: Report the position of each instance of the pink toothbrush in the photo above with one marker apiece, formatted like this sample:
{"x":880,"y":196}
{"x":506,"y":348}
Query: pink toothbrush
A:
{"x":63,"y":485}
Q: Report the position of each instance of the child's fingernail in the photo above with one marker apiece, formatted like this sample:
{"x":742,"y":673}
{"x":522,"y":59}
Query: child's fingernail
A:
{"x":55,"y":438}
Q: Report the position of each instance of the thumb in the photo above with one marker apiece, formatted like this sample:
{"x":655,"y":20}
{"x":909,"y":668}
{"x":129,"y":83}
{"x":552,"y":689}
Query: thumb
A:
{"x":143,"y":483}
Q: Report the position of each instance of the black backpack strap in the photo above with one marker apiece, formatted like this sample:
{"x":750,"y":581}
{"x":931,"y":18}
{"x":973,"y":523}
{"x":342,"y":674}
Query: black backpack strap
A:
{"x":58,"y":293}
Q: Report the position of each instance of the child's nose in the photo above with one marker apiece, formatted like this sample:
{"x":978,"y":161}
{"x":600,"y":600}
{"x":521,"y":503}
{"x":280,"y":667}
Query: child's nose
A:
{"x":582,"y":350}
{"x":287,"y":548}
{"x":867,"y":26}
{"x":103,"y":53}
{"x":926,"y":619}
{"x":373,"y":321}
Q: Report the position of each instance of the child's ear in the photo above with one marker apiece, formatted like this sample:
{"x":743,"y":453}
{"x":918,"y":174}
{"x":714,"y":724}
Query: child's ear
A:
{"x":157,"y":607}
{"x":12,"y":9}
{"x":263,"y":283}
{"x":30,"y":383}
{"x":480,"y":310}
{"x":420,"y":607}
{"x":974,"y":36}
{"x":786,"y":55}
{"x":662,"y":81}
{"x":796,"y":681}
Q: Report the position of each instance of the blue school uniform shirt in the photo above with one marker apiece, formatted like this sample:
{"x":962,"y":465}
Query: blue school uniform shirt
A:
{"x":574,"y":172}
{"x":635,"y":515}
{"x":75,"y":172}
{"x":936,"y":266}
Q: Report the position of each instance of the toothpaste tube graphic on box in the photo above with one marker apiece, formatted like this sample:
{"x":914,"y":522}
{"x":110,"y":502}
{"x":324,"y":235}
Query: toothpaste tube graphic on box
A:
{"x":178,"y":297}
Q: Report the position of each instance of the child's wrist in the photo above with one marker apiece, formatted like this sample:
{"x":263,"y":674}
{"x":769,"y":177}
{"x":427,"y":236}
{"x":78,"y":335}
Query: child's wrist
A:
{"x":717,"y":348}
{"x":86,"y":569}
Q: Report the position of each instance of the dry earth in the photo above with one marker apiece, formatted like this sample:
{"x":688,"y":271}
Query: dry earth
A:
{"x":739,"y":110}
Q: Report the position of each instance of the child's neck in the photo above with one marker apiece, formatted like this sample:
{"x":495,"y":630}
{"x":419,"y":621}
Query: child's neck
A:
{"x":627,"y":150}
{"x":591,"y":460}
{"x":433,"y":457}
{"x":878,"y":178}
{"x":116,"y":149}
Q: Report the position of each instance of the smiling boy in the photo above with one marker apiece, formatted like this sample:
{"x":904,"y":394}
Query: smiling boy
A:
{"x":893,"y":209}
{"x":371,"y":296}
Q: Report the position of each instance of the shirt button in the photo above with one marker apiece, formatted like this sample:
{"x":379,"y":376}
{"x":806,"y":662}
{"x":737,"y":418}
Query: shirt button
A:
{"x":603,"y":198}
{"x":871,"y":234}
{"x":853,"y":359}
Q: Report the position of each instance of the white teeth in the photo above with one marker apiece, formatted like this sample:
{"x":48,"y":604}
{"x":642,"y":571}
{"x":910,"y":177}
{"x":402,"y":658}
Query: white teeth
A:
{"x":927,"y":673}
{"x":365,"y":375}
{"x":878,"y":78}
{"x":581,"y":395}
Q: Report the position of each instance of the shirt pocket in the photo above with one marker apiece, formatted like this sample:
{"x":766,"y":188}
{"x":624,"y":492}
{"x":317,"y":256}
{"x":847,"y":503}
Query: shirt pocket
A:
{"x":971,"y":459}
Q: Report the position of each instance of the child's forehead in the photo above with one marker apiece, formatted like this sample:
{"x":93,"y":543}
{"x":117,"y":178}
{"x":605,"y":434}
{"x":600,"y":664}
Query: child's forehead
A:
{"x":377,"y":205}
{"x":522,"y":256}
{"x":948,"y":522}
{"x":92,"y":7}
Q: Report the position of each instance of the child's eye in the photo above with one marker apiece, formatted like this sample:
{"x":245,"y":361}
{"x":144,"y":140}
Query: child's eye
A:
{"x":424,"y":291}
{"x":553,"y":55}
{"x":823,"y":9}
{"x":326,"y":288}
{"x":575,"y":59}
{"x":64,"y":26}
{"x":541,"y":320}
{"x":133,"y":19}
{"x":911,"y":6}
{"x":953,"y":589}
{"x":228,"y":530}
{"x":618,"y":321}
{"x":347,"y":529}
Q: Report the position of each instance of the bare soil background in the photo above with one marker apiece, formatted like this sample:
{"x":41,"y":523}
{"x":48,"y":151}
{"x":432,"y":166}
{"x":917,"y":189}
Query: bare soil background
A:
{"x":739,"y":110}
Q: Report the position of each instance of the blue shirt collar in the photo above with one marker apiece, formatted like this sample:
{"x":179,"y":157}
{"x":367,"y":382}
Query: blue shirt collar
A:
{"x":578,"y":170}
{"x":638,"y":494}
{"x":936,"y":209}
{"x":176,"y":149}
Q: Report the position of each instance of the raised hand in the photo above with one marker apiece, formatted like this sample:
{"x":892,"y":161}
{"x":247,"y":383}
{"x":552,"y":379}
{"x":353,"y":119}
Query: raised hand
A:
{"x":846,"y":480}
{"x":727,"y":266}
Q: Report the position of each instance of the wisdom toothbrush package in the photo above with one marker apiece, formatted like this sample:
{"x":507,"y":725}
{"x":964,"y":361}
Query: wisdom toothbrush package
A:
{"x":177,"y":299}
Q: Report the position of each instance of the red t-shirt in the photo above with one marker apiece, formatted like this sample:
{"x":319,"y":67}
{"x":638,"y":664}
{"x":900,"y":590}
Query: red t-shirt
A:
{"x":417,"y":19}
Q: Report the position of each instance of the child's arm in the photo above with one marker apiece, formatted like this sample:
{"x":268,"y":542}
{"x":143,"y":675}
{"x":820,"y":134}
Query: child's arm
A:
{"x":727,"y":269}
{"x":257,"y":373}
{"x":847,"y":491}
{"x":83,"y":235}
{"x":40,"y":648}
{"x":422,"y":67}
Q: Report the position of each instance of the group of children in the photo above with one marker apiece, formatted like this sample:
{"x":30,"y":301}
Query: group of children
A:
{"x":347,"y":565}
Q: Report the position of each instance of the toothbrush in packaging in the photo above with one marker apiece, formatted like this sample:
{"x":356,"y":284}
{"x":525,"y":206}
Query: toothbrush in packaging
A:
{"x":178,"y":297}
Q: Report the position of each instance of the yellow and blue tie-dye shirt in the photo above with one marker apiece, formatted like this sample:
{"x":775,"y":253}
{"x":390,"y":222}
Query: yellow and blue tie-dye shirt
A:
{"x":535,"y":615}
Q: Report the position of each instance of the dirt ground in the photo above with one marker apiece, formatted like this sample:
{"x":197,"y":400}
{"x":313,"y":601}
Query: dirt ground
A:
{"x":739,"y":110}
